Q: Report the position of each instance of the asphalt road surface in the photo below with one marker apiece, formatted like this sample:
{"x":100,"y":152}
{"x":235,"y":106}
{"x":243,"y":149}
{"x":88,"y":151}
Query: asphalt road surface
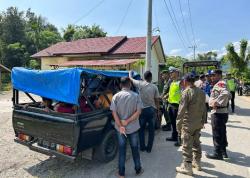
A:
{"x":18,"y":161}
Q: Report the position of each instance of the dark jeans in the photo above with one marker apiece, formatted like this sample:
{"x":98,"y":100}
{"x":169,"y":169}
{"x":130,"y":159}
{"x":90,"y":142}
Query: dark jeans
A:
{"x":218,"y":122}
{"x":133,"y":141}
{"x":232,"y":100}
{"x":173,"y":111}
{"x":240,"y":91}
{"x":148,"y":116}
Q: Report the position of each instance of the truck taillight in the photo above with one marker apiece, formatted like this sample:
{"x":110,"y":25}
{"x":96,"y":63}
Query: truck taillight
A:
{"x":24,"y":137}
{"x":64,"y":149}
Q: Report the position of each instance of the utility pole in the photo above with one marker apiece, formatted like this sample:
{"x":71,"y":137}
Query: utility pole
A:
{"x":194,"y":48}
{"x":149,"y":36}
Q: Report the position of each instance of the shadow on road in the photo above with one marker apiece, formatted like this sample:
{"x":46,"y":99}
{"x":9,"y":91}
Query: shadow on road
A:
{"x":217,"y":174}
{"x":238,"y":127}
{"x":234,"y":157}
{"x":242,"y":111}
{"x":54,"y":167}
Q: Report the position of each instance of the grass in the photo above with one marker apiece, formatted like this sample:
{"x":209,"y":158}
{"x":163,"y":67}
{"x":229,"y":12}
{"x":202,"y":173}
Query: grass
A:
{"x":6,"y":87}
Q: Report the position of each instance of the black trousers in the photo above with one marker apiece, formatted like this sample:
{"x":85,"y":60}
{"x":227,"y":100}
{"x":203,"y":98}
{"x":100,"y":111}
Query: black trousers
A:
{"x":173,"y":111}
{"x":232,"y":100}
{"x":218,"y":122}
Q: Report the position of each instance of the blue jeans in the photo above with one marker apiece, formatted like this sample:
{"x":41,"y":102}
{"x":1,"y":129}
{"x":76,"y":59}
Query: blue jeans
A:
{"x":133,"y":141}
{"x":148,"y":115}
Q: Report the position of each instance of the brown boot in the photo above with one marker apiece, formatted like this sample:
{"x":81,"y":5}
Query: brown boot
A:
{"x":185,"y":168}
{"x":196,"y":165}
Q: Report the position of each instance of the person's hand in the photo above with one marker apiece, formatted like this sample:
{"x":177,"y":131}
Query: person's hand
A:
{"x":124,"y":123}
{"x":122,"y":130}
{"x":130,"y":74}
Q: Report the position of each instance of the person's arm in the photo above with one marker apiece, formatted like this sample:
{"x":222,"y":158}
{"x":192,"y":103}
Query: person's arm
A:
{"x":136,"y":83}
{"x":181,"y":111}
{"x":132,"y":118}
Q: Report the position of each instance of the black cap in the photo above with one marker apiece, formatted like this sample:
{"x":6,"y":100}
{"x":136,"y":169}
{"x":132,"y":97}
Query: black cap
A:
{"x":218,"y":71}
{"x":189,"y":77}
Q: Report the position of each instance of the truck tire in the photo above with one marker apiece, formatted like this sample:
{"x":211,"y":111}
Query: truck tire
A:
{"x":108,"y":148}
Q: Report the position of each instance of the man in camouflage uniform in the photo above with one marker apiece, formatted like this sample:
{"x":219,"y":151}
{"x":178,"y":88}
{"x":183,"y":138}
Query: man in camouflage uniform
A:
{"x":218,"y":100}
{"x":190,"y":121}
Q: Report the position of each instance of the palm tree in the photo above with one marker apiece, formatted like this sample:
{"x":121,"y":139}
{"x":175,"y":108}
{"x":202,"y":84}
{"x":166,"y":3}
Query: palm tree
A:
{"x":239,"y":62}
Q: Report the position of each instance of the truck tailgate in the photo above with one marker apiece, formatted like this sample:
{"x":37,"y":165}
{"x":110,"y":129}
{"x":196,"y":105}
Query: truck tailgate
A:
{"x":53,"y":128}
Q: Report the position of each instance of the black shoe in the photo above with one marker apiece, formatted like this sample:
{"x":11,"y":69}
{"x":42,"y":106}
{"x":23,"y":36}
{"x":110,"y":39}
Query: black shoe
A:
{"x":171,"y":139}
{"x":177,"y":144}
{"x":166,"y":128}
{"x":224,"y":154}
{"x":139,"y":172}
{"x":148,"y":150}
{"x":217,"y":156}
{"x":143,"y":149}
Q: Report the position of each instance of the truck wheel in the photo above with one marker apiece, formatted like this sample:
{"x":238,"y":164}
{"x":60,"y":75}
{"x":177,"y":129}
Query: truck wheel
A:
{"x":107,"y":150}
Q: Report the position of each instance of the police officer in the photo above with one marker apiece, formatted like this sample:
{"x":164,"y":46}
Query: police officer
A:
{"x":219,"y":115}
{"x":167,"y":81}
{"x":232,"y":85}
{"x":174,"y":98}
{"x":190,"y":121}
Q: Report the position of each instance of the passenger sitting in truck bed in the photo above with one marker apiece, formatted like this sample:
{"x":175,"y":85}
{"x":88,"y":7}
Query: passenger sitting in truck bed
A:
{"x":83,"y":105}
{"x":65,"y":108}
{"x":102,"y":101}
{"x":47,"y":104}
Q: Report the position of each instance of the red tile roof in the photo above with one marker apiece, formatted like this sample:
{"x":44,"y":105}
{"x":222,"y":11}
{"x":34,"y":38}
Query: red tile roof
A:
{"x":103,"y":45}
{"x":113,"y":62}
{"x":83,"y":46}
{"x":134,"y":45}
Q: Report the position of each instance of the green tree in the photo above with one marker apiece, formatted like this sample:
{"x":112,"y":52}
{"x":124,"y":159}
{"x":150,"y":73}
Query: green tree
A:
{"x":15,"y":55}
{"x":211,"y":55}
{"x":13,"y":26}
{"x":69,"y":32}
{"x":81,"y":32}
{"x":175,"y":61}
{"x":239,"y":62}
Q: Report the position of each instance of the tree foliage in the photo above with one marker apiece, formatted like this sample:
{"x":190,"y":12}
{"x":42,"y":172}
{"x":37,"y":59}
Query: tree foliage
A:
{"x":23,"y":33}
{"x":175,"y":61}
{"x":208,"y":56}
{"x":72,"y":32}
{"x":239,"y":61}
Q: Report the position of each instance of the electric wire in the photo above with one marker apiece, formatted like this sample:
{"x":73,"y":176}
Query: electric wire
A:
{"x":176,"y":22}
{"x":89,"y":12}
{"x":124,"y":17}
{"x":184,"y":23}
{"x":172,"y":20}
{"x":191,"y":23}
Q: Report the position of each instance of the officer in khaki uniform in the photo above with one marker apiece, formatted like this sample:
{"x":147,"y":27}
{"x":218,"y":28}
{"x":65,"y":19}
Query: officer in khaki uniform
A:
{"x":218,"y":100}
{"x":190,"y":121}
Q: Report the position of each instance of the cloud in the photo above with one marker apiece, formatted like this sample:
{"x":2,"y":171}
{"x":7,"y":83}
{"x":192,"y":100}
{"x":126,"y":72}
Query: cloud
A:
{"x":175,"y":52}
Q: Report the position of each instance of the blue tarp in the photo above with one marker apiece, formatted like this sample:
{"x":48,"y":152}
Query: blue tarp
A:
{"x":60,"y":85}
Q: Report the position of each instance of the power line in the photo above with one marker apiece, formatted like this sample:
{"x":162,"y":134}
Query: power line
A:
{"x":191,"y":23}
{"x":184,"y":23}
{"x":123,"y":18}
{"x":176,"y":22}
{"x":89,"y":12}
{"x":172,"y":20}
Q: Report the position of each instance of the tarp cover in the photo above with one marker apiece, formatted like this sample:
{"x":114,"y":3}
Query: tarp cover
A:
{"x":61,"y":85}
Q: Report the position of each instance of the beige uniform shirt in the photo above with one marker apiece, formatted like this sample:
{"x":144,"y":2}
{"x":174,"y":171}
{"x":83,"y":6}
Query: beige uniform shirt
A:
{"x":221,"y":95}
{"x":192,"y":110}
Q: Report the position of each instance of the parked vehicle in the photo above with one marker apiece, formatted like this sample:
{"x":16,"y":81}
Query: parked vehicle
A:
{"x":66,"y":135}
{"x":246,"y":89}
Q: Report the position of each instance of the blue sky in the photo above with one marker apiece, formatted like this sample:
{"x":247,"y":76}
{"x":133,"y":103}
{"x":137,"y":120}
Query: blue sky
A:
{"x":215,"y":22}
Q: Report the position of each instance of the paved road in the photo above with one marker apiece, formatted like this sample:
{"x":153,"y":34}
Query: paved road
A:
{"x":18,"y":161}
